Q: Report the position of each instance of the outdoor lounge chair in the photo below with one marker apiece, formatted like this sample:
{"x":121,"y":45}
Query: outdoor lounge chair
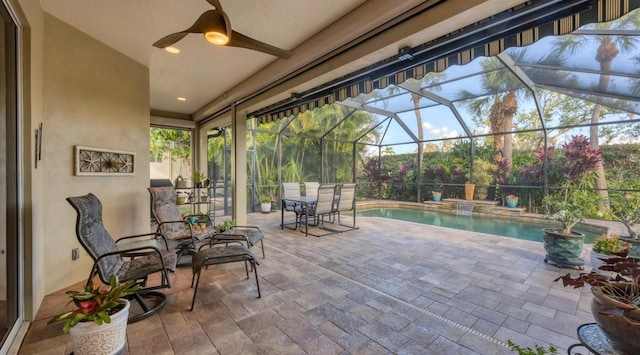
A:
{"x":184,"y":234}
{"x":133,"y":259}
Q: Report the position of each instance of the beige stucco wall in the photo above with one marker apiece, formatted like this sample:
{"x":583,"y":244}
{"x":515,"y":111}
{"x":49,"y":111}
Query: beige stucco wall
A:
{"x":93,"y":96}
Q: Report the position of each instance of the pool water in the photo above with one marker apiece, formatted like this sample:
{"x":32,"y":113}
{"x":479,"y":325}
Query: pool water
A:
{"x":511,"y":228}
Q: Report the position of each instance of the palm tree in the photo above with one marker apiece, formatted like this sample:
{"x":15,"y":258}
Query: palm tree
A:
{"x":608,"y":49}
{"x":501,"y":104}
{"x":430,"y":80}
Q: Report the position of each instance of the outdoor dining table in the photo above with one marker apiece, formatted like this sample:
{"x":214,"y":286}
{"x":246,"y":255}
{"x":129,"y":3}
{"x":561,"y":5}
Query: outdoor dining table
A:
{"x":304,"y":202}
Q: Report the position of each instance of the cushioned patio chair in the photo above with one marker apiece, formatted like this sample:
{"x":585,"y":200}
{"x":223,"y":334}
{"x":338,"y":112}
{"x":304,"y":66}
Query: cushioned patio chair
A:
{"x":184,"y":234}
{"x":128,"y":258}
{"x":179,"y":231}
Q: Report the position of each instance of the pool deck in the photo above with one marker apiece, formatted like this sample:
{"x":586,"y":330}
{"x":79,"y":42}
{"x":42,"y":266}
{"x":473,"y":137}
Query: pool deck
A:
{"x":390,"y":287}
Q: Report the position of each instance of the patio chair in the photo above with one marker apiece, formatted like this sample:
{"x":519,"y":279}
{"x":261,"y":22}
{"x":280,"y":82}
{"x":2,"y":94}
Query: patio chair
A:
{"x":325,"y":206}
{"x":311,"y":188}
{"x":171,"y":225}
{"x":291,"y":190}
{"x":186,"y":235}
{"x":347,"y":202}
{"x":134,"y":259}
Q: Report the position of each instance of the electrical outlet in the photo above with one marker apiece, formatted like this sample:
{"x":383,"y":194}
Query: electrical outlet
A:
{"x":75,"y":254}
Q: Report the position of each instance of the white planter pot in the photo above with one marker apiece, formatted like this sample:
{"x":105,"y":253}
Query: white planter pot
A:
{"x":108,"y":338}
{"x":265,"y":207}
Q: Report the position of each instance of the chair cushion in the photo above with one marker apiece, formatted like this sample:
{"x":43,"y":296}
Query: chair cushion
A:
{"x":142,"y":266}
{"x":165,"y":210}
{"x":221,"y":255}
{"x":198,"y":233}
{"x":252,"y":235}
{"x":91,"y":232}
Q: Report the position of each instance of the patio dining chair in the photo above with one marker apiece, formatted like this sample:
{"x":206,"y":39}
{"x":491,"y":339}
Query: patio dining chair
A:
{"x":347,"y":202}
{"x":129,"y":258}
{"x":185,"y":235}
{"x":322,"y":211}
{"x":311,"y":188}
{"x":291,"y":190}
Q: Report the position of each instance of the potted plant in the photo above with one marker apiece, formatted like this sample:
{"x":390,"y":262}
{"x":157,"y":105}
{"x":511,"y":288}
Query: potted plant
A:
{"x":512,"y":201}
{"x":624,"y":207}
{"x":606,"y":247}
{"x":197,"y":177}
{"x":572,"y":202}
{"x":436,"y":192}
{"x":265,"y":204}
{"x":225,"y":225}
{"x":98,"y":323}
{"x":616,"y":301}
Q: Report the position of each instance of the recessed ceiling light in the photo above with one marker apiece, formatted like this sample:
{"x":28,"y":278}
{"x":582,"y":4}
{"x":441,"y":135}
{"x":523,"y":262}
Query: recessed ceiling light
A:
{"x":173,"y":50}
{"x":182,"y":99}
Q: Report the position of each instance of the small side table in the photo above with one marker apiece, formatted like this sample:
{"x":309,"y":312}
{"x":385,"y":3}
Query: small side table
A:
{"x":593,"y":339}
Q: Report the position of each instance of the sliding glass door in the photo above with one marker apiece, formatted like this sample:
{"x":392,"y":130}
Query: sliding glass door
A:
{"x":9,"y":220}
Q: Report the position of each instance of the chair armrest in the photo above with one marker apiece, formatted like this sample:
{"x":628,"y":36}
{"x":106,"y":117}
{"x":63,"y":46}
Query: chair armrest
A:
{"x":159,"y":228}
{"x":202,"y":217}
{"x":155,"y":235}
{"x":124,"y":252}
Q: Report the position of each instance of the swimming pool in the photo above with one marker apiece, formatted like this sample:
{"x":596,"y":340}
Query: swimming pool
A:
{"x":507,"y":227}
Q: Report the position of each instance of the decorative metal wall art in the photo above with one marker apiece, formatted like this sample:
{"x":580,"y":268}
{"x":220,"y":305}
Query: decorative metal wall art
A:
{"x":103,"y":162}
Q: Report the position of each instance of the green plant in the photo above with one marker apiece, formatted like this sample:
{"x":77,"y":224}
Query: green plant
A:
{"x":95,"y":304}
{"x":198,"y":177}
{"x":265,"y":199}
{"x":539,"y":350}
{"x":625,"y":208}
{"x":570,"y":207}
{"x":610,"y":245}
{"x":225,"y":225}
{"x":574,"y":201}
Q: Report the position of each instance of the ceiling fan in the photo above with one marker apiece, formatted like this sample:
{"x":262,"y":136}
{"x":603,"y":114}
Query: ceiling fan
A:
{"x":216,"y":27}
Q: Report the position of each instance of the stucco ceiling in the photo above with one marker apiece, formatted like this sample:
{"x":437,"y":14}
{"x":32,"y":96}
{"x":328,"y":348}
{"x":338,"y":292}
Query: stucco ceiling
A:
{"x":202,"y":72}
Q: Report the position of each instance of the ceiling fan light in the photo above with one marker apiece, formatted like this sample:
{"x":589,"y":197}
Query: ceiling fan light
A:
{"x":172,"y":50}
{"x":216,"y":38}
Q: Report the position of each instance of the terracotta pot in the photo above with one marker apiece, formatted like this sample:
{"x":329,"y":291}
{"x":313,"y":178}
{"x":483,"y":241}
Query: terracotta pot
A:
{"x":469,"y":190}
{"x":623,"y":330}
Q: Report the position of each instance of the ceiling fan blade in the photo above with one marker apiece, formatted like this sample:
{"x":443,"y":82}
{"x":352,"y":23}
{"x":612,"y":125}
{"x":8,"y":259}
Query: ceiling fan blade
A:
{"x":209,"y":20}
{"x":216,"y":4}
{"x":240,"y":40}
{"x":166,"y":41}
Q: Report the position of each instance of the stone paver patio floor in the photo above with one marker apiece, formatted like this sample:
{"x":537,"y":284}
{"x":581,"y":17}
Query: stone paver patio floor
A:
{"x":389,"y":287}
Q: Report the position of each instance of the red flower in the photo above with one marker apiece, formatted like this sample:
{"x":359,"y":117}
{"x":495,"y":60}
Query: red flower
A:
{"x":88,"y":306}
